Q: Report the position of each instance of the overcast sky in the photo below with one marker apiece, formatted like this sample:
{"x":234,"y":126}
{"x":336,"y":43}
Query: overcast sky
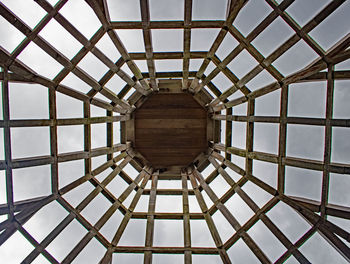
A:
{"x":30,"y":101}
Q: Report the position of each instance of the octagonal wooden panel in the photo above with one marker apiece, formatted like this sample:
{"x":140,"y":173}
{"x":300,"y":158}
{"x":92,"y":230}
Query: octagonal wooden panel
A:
{"x":170,"y":130}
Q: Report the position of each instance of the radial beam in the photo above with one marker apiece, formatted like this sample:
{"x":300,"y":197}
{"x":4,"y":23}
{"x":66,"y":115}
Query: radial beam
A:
{"x":147,"y":38}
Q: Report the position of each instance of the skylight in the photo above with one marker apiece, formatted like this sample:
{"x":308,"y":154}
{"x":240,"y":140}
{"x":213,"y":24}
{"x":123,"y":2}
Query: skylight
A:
{"x":264,"y":135}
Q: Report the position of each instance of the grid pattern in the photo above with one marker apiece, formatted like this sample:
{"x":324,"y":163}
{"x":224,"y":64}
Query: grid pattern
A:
{"x":223,"y":188}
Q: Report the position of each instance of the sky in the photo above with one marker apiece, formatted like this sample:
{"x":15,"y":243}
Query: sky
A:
{"x":30,"y":101}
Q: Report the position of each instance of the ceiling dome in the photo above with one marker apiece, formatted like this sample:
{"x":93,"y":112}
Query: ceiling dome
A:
{"x":162,"y":131}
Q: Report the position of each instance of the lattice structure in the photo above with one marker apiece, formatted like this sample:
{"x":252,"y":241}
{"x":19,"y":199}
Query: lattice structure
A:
{"x":271,"y":186}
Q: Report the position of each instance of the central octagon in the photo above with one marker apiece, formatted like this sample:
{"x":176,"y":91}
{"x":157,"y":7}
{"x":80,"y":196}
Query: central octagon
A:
{"x":170,"y":130}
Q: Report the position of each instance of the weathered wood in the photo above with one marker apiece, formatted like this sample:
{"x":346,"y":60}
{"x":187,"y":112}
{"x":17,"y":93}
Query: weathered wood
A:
{"x":31,"y":76}
{"x":7,"y":143}
{"x":326,"y":228}
{"x":150,"y":219}
{"x":331,"y":209}
{"x":317,"y":66}
{"x":245,"y":43}
{"x":300,"y":242}
{"x":10,"y":226}
{"x":288,"y":120}
{"x":83,"y":222}
{"x":284,"y":240}
{"x":186,"y":218}
{"x":282,"y":146}
{"x":291,"y":161}
{"x":322,"y":76}
{"x":170,"y":130}
{"x":169,"y":24}
{"x":147,"y":37}
{"x":107,"y":257}
{"x":128,"y":213}
{"x":328,"y":141}
{"x":184,"y":129}
{"x":249,"y":137}
{"x":31,"y":239}
{"x":211,"y":225}
{"x":80,"y":37}
{"x":167,"y":250}
{"x":186,"y":43}
{"x":230,"y":218}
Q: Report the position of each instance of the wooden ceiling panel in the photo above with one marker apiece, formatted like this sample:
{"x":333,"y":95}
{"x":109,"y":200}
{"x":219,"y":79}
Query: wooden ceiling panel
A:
{"x":170,"y":130}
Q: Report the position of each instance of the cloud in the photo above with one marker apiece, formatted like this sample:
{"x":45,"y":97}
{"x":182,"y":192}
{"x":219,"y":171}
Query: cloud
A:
{"x":307,"y":100}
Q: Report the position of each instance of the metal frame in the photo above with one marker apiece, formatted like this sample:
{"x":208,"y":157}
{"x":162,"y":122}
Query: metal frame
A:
{"x":219,"y":153}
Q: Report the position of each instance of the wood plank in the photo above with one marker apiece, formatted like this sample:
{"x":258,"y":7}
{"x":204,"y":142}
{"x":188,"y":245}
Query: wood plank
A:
{"x":150,"y":218}
{"x":176,"y":113}
{"x":170,"y":123}
{"x":327,"y":140}
{"x":170,"y":129}
{"x":171,"y":101}
{"x":177,"y":132}
{"x":160,"y":152}
{"x":180,"y":142}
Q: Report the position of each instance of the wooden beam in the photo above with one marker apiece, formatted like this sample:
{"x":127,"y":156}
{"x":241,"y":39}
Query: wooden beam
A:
{"x":211,"y":225}
{"x":167,"y":250}
{"x":31,"y":239}
{"x":147,"y":37}
{"x":327,"y":229}
{"x":53,"y":140}
{"x":288,"y":120}
{"x":141,"y":85}
{"x":290,"y":161}
{"x":282,"y":139}
{"x":328,"y":141}
{"x":168,"y":24}
{"x":86,"y":224}
{"x":186,"y":218}
{"x":322,"y":76}
{"x":10,"y":226}
{"x":129,"y":212}
{"x":7,"y":144}
{"x":27,"y":73}
{"x":187,"y":43}
{"x":231,"y":219}
{"x":236,"y":7}
{"x":309,"y":70}
{"x":150,"y":219}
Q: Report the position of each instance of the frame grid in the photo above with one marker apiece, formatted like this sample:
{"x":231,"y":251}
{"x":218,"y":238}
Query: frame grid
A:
{"x":119,"y":174}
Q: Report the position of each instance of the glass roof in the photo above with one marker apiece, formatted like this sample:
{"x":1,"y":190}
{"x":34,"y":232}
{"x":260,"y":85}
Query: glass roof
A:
{"x":273,"y":186}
